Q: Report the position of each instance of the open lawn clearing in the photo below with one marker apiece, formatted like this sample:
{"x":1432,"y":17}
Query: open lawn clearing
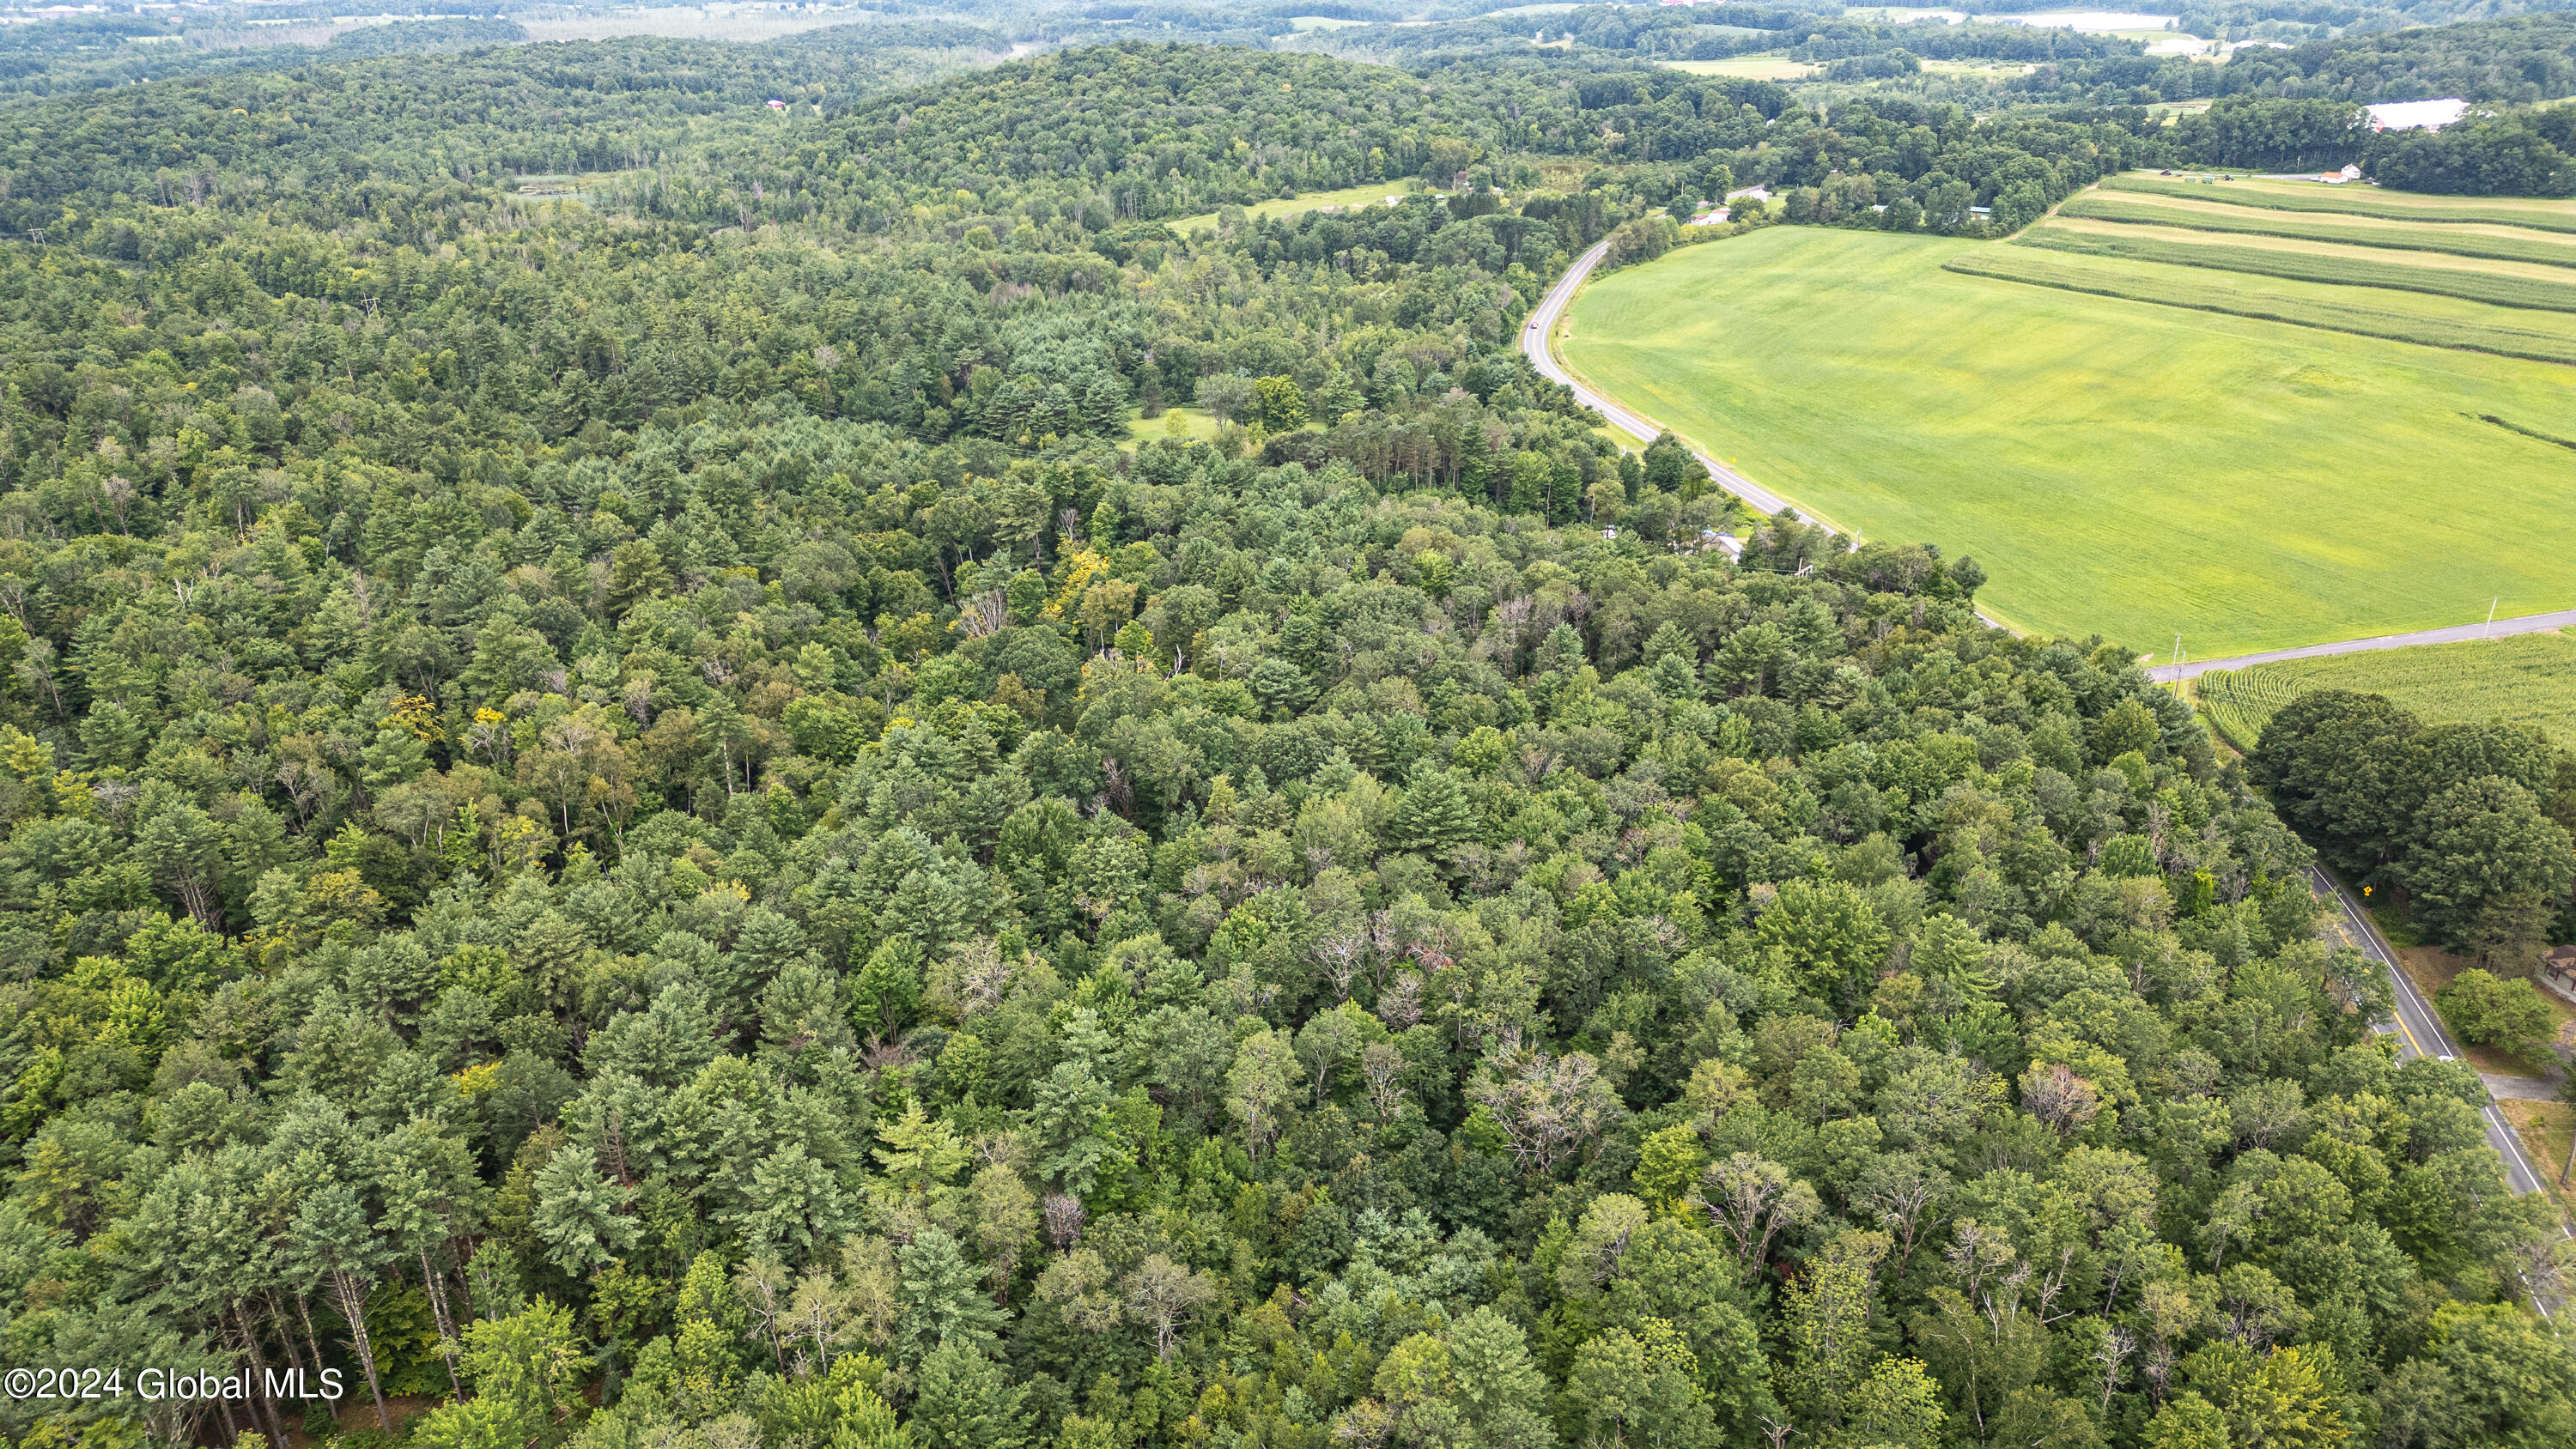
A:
{"x":2526,"y":679}
{"x":2500,"y":243}
{"x":2115,"y":466}
{"x":2545,"y":1129}
{"x":1748,"y":67}
{"x":2419,"y":317}
{"x":2549,"y":290}
{"x":2432,"y":969}
{"x":1374,"y":194}
{"x":2357,"y":200}
{"x":1196,"y":426}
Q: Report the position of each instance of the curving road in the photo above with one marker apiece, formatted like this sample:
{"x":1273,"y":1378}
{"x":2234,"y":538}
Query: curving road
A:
{"x":1540,"y":330}
{"x":1541,"y":327}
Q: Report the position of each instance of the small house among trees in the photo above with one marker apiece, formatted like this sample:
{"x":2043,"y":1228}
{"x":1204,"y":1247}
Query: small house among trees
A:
{"x":2557,"y":970}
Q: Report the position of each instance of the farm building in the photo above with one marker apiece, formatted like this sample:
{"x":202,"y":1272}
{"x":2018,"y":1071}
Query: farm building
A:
{"x":2415,"y":115}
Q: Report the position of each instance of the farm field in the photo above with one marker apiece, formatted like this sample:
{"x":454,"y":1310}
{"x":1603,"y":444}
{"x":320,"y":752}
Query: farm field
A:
{"x":2517,"y":285}
{"x":2119,"y":466}
{"x":2503,"y":243}
{"x":2525,"y":679}
{"x":2502,"y":257}
{"x":2311,"y":196}
{"x":2401,"y":316}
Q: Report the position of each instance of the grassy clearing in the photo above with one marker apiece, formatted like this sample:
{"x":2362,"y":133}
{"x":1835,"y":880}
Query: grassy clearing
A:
{"x":2545,"y":1129}
{"x":1749,"y":67}
{"x":2526,"y":679}
{"x":2357,"y":200}
{"x":2321,"y":262}
{"x":2126,"y":468}
{"x":2431,"y":969}
{"x":2417,"y":317}
{"x":2483,"y":242}
{"x":1195,"y":425}
{"x":1373,"y":194}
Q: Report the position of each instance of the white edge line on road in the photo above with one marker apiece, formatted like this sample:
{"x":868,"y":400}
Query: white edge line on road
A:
{"x":2499,"y":1130}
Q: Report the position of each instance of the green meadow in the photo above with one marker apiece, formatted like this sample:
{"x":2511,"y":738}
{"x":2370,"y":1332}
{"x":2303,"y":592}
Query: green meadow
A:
{"x":2526,"y":679}
{"x":1373,"y":194}
{"x":2118,"y":466}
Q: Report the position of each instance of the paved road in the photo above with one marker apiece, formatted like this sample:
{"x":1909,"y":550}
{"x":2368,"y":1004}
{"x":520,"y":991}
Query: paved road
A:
{"x":1534,"y":339}
{"x":2456,"y":634}
{"x":2420,"y":1031}
{"x":2521,"y":1089}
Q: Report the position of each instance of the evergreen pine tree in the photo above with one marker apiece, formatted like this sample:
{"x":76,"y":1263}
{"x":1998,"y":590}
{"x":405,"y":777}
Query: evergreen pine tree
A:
{"x":964,"y":1400}
{"x":1435,"y":814}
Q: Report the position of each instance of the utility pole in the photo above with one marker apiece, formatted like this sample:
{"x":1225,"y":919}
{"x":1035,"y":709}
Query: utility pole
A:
{"x":2489,"y":632}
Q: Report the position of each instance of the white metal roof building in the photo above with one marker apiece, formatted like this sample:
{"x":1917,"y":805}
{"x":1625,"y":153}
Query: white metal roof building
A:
{"x":2415,"y":115}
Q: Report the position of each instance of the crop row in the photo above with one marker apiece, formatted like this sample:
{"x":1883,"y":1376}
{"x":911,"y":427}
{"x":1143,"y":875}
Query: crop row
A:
{"x":2240,"y":702}
{"x":2351,"y":201}
{"x":2248,"y":221}
{"x":2205,"y":293}
{"x":2331,"y":269}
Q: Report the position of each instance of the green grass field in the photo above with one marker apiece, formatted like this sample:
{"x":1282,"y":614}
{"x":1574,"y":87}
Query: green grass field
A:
{"x":2490,"y":242}
{"x":1195,"y":426}
{"x":2527,"y":679}
{"x":2357,"y":200}
{"x":1373,"y":194}
{"x":2118,"y":466}
{"x":2393,"y":315}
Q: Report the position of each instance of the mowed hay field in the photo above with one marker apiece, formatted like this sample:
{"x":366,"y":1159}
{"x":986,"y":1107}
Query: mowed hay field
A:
{"x":2122,"y":466}
{"x":2525,"y":679}
{"x":2264,"y":194}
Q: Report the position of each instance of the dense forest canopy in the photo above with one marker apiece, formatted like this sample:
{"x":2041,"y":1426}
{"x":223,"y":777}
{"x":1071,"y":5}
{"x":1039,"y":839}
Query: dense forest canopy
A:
{"x":640,"y":818}
{"x":2522,"y":60}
